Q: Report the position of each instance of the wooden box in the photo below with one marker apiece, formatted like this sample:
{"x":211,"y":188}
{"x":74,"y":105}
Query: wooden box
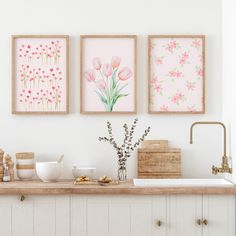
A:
{"x":157,"y":160}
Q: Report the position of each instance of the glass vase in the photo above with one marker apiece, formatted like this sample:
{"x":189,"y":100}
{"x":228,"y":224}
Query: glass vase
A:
{"x":122,"y":171}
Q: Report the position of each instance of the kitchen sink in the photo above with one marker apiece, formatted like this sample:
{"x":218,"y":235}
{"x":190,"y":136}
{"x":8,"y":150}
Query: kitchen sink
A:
{"x":182,"y":183}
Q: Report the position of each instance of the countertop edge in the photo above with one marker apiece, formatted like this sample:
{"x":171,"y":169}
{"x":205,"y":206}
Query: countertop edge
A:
{"x":68,"y":188}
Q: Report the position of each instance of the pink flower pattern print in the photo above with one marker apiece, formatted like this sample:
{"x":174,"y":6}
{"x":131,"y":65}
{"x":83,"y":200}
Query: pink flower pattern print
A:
{"x":191,"y":86}
{"x":157,"y":85}
{"x":175,"y":74}
{"x":164,"y":108}
{"x":184,"y":59}
{"x":177,"y":98}
{"x":41,"y":75}
{"x":176,"y":84}
{"x":172,"y":46}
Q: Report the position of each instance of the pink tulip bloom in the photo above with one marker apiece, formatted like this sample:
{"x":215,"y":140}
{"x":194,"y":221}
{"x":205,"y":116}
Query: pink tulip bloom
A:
{"x":107,"y":70}
{"x":115,"y":62}
{"x":97,"y":63}
{"x":101,"y":84}
{"x":125,"y":73}
{"x":89,"y":75}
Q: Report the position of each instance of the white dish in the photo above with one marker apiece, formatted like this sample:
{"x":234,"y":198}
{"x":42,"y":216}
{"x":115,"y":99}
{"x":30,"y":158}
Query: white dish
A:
{"x":84,"y":171}
{"x":182,"y":183}
{"x":49,"y":171}
{"x":25,"y":174}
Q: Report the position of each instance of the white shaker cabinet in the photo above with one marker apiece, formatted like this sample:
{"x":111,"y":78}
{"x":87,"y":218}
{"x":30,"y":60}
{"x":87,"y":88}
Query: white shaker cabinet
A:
{"x":197,"y":215}
{"x":35,"y":216}
{"x":118,"y":215}
{"x":219,"y":211}
{"x":174,"y":215}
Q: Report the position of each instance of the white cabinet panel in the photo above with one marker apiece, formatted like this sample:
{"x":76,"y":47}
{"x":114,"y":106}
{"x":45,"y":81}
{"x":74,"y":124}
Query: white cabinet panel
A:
{"x":22,"y":217}
{"x":141,"y":218}
{"x":219,"y":211}
{"x":159,"y":211}
{"x":97,"y":219}
{"x":44,"y":216}
{"x":78,"y":215}
{"x":62,"y":215}
{"x":5,"y":215}
{"x":119,"y":219}
{"x":35,"y":216}
{"x":183,"y":212}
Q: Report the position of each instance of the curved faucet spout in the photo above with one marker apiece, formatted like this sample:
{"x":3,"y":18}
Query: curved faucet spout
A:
{"x":209,"y":123}
{"x":224,"y":165}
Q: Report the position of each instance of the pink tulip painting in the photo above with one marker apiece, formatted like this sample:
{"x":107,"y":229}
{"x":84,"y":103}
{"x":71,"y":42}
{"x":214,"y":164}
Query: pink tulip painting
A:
{"x":109,"y":81}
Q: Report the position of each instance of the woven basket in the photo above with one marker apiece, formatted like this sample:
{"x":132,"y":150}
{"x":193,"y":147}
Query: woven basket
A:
{"x":25,"y":155}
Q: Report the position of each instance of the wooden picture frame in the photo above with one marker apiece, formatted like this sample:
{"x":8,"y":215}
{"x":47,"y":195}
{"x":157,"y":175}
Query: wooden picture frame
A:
{"x":40,"y":74}
{"x":177,"y":49}
{"x":108,"y":51}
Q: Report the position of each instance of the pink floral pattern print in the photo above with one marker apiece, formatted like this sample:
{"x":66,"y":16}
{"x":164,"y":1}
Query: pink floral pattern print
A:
{"x":40,"y":74}
{"x":175,"y":74}
{"x":177,"y":82}
{"x":172,"y":46}
{"x":157,"y":84}
{"x":184,"y":58}
{"x":177,"y":98}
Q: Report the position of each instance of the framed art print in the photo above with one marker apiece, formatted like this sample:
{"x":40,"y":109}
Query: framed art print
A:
{"x":108,"y":74}
{"x":176,"y":74}
{"x":40,"y":74}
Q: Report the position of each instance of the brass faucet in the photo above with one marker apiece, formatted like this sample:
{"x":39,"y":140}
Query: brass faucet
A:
{"x":224,"y":165}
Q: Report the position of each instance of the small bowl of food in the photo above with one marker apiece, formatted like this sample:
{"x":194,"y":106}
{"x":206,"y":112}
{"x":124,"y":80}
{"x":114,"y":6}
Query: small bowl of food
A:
{"x":49,"y":171}
{"x":84,"y":171}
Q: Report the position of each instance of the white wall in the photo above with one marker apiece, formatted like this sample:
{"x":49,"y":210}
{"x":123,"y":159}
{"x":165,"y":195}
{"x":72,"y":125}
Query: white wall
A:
{"x":76,"y":135}
{"x":229,"y":79}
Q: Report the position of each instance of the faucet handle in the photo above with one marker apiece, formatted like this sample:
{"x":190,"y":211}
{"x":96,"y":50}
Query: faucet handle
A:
{"x":215,"y":170}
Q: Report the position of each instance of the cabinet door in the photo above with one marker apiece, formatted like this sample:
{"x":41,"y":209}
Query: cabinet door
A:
{"x":97,"y":216}
{"x":51,"y":215}
{"x":119,"y":215}
{"x":16,"y":217}
{"x":159,"y":216}
{"x":112,"y":215}
{"x":141,"y":216}
{"x":5,"y":215}
{"x":219,"y":211}
{"x":78,"y":215}
{"x":183,"y":213}
{"x":35,"y":216}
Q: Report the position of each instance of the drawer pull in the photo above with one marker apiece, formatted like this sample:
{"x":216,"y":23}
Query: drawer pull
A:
{"x":199,"y":222}
{"x":159,"y":223}
{"x":205,"y":222}
{"x":22,"y":198}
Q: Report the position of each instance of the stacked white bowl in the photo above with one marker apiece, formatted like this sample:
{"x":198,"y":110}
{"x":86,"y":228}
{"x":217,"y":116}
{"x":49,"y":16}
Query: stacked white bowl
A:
{"x":25,"y":165}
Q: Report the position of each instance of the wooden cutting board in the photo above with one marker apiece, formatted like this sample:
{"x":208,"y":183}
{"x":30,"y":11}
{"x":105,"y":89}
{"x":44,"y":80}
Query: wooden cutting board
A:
{"x":157,"y":160}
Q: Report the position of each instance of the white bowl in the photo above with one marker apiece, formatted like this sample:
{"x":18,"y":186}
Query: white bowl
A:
{"x":49,"y":171}
{"x":25,"y":174}
{"x":84,"y":171}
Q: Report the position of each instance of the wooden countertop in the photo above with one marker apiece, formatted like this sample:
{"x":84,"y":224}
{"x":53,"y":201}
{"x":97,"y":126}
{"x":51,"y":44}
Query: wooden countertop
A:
{"x":67,"y":187}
